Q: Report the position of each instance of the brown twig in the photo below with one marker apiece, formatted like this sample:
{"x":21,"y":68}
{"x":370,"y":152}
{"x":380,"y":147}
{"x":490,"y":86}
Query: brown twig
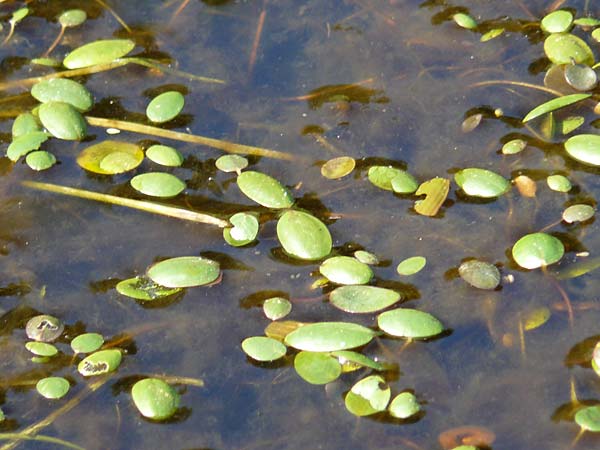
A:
{"x":257,"y":35}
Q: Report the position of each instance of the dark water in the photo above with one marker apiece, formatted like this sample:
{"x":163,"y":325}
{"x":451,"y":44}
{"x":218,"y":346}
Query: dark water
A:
{"x":412,"y":71}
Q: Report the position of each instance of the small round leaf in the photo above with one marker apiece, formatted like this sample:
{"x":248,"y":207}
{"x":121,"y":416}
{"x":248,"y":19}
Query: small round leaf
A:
{"x":276,"y":307}
{"x":87,"y":343}
{"x":165,"y":106}
{"x":53,"y":387}
{"x":303,"y":236}
{"x":158,"y":184}
{"x":184,"y":271}
{"x":409,"y":323}
{"x":164,"y":155}
{"x":536,"y":250}
{"x":404,"y":405}
{"x":154,"y":398}
{"x":317,"y":368}
{"x":263,"y":348}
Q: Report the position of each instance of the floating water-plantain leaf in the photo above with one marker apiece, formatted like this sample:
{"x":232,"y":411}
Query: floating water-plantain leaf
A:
{"x":263,"y":348}
{"x":44,"y":328}
{"x":231,"y":163}
{"x":63,"y":90}
{"x":25,"y":123}
{"x":19,"y":15}
{"x":41,"y":348}
{"x":493,"y":33}
{"x":317,"y":368}
{"x":103,"y":361}
{"x":165,"y":107}
{"x":303,"y":236}
{"x":40,"y":160}
{"x":581,"y":77}
{"x":48,"y":62}
{"x":53,"y":387}
{"x":409,"y":323}
{"x":111,"y":157}
{"x":480,"y":274}
{"x":464,"y":21}
{"x":471,"y":122}
{"x":596,"y":35}
{"x":536,"y":318}
{"x":142,"y":288}
{"x":588,"y":418}
{"x":368,"y":396}
{"x":154,"y":398}
{"x":164,"y":155}
{"x":404,"y":183}
{"x":566,"y":48}
{"x":584,"y":148}
{"x":366,"y":257}
{"x":279,"y":330}
{"x":184,"y":271}
{"x":338,"y":167}
{"x":72,"y":18}
{"x":98,"y":52}
{"x":553,"y":105}
{"x":63,"y":121}
{"x":87,"y":343}
{"x":435,"y":191}
{"x":404,"y":405}
{"x":411,"y":265}
{"x":557,"y":21}
{"x":347,"y":357}
{"x":158,"y":184}
{"x":264,"y":190}
{"x":392,"y":179}
{"x":25,"y":143}
{"x":559,"y":183}
{"x":363,"y":299}
{"x":586,"y":22}
{"x":514,"y":146}
{"x":245,"y":227}
{"x":329,"y":336}
{"x":276,"y":308}
{"x":536,"y":250}
{"x":578,"y":213}
{"x":346,"y":270}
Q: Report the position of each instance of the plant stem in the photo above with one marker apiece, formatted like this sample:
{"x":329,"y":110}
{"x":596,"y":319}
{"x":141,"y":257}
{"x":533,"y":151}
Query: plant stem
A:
{"x":156,"y":208}
{"x":516,"y":83}
{"x":226,"y":146}
{"x":56,"y":41}
{"x":52,"y":440}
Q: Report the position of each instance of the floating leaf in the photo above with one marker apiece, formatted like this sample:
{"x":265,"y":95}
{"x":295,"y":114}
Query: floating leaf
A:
{"x":111,"y":157}
{"x":329,"y":336}
{"x":536,"y":318}
{"x":276,"y":307}
{"x":363,"y":299}
{"x":464,"y":21}
{"x":581,"y":77}
{"x":98,"y":52}
{"x":435,"y":191}
{"x":596,"y":35}
{"x":411,"y":265}
{"x":184,"y":271}
{"x":471,"y":122}
{"x":480,"y":274}
{"x":404,"y":405}
{"x":103,"y":361}
{"x":245,"y":229}
{"x":514,"y":146}
{"x":404,"y":183}
{"x":317,"y":368}
{"x":554,"y":104}
{"x":48,"y":62}
{"x":493,"y":33}
{"x":481,"y":182}
{"x":165,"y":106}
{"x":366,"y":257}
{"x":25,"y":143}
{"x":44,"y":328}
{"x":264,"y":190}
{"x":143,"y":288}
{"x":557,"y":21}
{"x":53,"y":387}
{"x":346,"y":270}
{"x":587,"y":22}
{"x":63,"y":90}
{"x":348,"y":357}
{"x":368,"y":396}
{"x":164,"y":155}
{"x":537,"y":250}
{"x":154,"y":398}
{"x":158,"y":184}
{"x":231,"y":163}
{"x":559,"y":183}
{"x":303,"y":236}
{"x":571,"y":123}
{"x":40,"y":160}
{"x":392,"y":179}
{"x":565,"y":48}
{"x":87,"y":343}
{"x":584,"y":148}
{"x":578,"y":213}
{"x":19,"y":15}
{"x":338,"y":167}
{"x":72,"y":18}
{"x":263,"y":348}
{"x":409,"y":323}
{"x":588,"y":418}
{"x":25,"y":123}
{"x":41,"y":348}
{"x":62,"y":121}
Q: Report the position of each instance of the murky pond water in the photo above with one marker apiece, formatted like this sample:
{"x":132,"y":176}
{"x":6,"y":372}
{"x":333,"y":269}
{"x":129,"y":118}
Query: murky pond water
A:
{"x":386,"y":82}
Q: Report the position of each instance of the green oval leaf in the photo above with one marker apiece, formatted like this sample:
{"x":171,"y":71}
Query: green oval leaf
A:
{"x":588,"y":418}
{"x":392,"y":179}
{"x":53,"y":387}
{"x":345,"y":270}
{"x":25,"y":123}
{"x":559,"y":183}
{"x":184,"y":271}
{"x":263,"y":348}
{"x":63,"y":90}
{"x":492,"y":34}
{"x":566,"y":48}
{"x":103,"y":361}
{"x":317,"y":368}
{"x":329,"y":336}
{"x":404,"y":405}
{"x":154,"y":398}
{"x":303,"y":236}
{"x":338,"y":167}
{"x":554,"y":104}
{"x":366,"y":257}
{"x":276,"y":308}
{"x":87,"y":342}
{"x":537,"y":250}
{"x":72,"y":18}
{"x":411,"y":266}
{"x":164,"y":155}
{"x":98,"y":52}
{"x":409,"y":323}
{"x":245,"y":229}
{"x":142,"y":288}
{"x":481,"y":182}
{"x":158,"y":184}
{"x":41,"y":348}
{"x":464,"y":21}
{"x":264,"y":190}
{"x":111,"y":157}
{"x":584,"y":148}
{"x":40,"y":160}
{"x":514,"y":146}
{"x":368,"y":396}
{"x":557,"y":21}
{"x":165,"y":106}
{"x":63,"y":121}
{"x":363,"y":299}
{"x":480,"y":274}
{"x":25,"y":143}
{"x":231,"y":163}
{"x":578,"y":213}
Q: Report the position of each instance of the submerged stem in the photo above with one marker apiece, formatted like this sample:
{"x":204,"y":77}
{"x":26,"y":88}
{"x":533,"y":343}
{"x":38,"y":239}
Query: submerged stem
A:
{"x":516,"y":83}
{"x":10,"y":33}
{"x":56,"y":41}
{"x":156,"y":208}
{"x":50,"y":439}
